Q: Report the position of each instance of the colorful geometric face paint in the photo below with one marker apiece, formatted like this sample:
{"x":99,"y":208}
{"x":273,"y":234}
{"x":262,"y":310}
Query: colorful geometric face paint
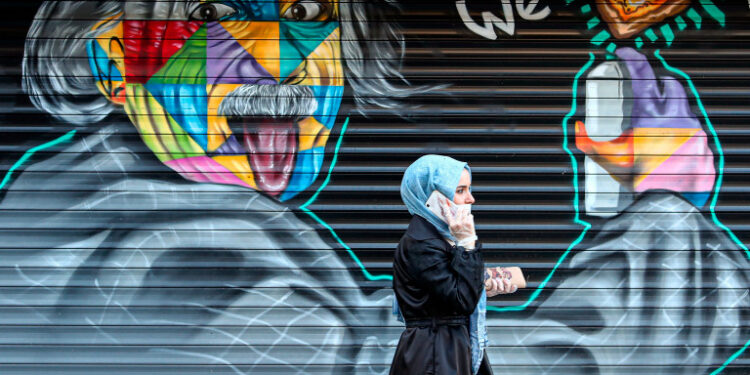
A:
{"x":231,"y":92}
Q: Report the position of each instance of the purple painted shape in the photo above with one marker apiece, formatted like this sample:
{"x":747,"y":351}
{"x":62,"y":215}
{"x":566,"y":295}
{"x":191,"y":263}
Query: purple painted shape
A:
{"x":653,"y":108}
{"x":230,"y":147}
{"x":689,"y":169}
{"x":205,"y":169}
{"x":228,"y":62}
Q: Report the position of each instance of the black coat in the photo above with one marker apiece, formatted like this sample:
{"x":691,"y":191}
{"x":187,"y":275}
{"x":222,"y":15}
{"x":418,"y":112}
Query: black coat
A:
{"x":437,"y":286}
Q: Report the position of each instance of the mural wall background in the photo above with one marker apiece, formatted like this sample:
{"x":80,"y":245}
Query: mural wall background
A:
{"x":217,"y":189}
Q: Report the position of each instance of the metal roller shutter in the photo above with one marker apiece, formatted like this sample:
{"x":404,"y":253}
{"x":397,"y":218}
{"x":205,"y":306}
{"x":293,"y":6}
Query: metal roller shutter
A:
{"x":606,"y":140}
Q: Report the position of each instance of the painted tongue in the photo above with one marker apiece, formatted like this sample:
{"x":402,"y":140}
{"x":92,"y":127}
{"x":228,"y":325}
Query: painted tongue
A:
{"x":271,"y":146}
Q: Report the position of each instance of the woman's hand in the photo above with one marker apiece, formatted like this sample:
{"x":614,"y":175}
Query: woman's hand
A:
{"x":461,"y":225}
{"x":497,"y":285}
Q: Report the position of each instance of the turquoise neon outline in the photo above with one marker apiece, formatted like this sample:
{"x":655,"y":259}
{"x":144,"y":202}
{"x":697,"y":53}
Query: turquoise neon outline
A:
{"x":28,"y":154}
{"x":576,"y":200}
{"x":315,"y":217}
{"x":719,"y":180}
{"x":330,"y":169}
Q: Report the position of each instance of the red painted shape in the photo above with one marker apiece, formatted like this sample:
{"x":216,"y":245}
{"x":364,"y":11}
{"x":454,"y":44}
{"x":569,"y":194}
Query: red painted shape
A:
{"x":149,"y":44}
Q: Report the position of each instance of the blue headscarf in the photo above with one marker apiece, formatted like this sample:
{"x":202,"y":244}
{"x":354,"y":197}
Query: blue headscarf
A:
{"x":442,"y":173}
{"x":427,"y":174}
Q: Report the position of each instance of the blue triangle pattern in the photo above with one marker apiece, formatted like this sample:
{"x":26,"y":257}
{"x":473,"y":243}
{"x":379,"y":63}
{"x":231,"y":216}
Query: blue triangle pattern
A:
{"x":101,"y":66}
{"x":187,"y":104}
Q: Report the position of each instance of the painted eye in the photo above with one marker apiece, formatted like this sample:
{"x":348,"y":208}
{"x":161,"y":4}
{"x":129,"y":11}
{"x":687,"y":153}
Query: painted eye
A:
{"x":211,"y":12}
{"x":305,"y":10}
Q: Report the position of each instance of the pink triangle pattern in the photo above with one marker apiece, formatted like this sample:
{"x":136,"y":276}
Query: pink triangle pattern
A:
{"x":205,"y":169}
{"x":689,"y":169}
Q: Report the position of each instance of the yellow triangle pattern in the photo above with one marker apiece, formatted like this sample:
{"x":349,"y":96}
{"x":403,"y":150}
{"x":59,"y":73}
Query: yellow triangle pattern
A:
{"x":653,"y":146}
{"x":259,"y":39}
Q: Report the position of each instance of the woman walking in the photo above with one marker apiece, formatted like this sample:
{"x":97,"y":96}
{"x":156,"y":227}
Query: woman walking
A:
{"x":439,"y":275}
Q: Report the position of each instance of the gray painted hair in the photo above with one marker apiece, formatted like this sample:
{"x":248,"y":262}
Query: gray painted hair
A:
{"x":58,"y":79}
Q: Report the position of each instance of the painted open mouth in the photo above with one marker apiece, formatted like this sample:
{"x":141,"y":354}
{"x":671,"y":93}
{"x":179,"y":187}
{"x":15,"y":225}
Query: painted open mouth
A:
{"x":271,"y":148}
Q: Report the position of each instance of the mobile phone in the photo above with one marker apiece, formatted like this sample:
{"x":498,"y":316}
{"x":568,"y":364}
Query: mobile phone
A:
{"x":433,"y":204}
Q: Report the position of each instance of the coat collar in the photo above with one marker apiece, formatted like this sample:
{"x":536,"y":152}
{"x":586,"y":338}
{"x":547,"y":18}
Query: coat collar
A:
{"x":421,"y":229}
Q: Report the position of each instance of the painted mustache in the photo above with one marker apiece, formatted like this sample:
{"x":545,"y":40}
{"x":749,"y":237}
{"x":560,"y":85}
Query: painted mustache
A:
{"x":269,"y":101}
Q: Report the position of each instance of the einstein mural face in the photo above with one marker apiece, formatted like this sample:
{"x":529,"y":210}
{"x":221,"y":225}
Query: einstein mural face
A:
{"x":230,"y":92}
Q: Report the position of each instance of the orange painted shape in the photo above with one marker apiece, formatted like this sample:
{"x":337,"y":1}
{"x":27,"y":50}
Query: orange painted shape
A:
{"x":617,"y":153}
{"x":260,"y":40}
{"x":628,"y":9}
{"x":239,"y":166}
{"x":117,"y":90}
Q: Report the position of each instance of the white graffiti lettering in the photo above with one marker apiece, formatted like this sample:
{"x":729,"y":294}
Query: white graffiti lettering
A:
{"x":527,"y":9}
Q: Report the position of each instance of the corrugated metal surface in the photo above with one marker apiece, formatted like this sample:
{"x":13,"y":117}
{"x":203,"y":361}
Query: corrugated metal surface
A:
{"x":112,"y":262}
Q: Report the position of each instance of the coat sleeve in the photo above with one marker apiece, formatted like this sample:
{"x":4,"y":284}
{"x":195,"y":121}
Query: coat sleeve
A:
{"x":454,"y":277}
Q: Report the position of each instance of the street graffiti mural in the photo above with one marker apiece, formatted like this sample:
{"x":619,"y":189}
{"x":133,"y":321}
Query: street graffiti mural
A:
{"x":240,"y":99}
{"x":171,"y":227}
